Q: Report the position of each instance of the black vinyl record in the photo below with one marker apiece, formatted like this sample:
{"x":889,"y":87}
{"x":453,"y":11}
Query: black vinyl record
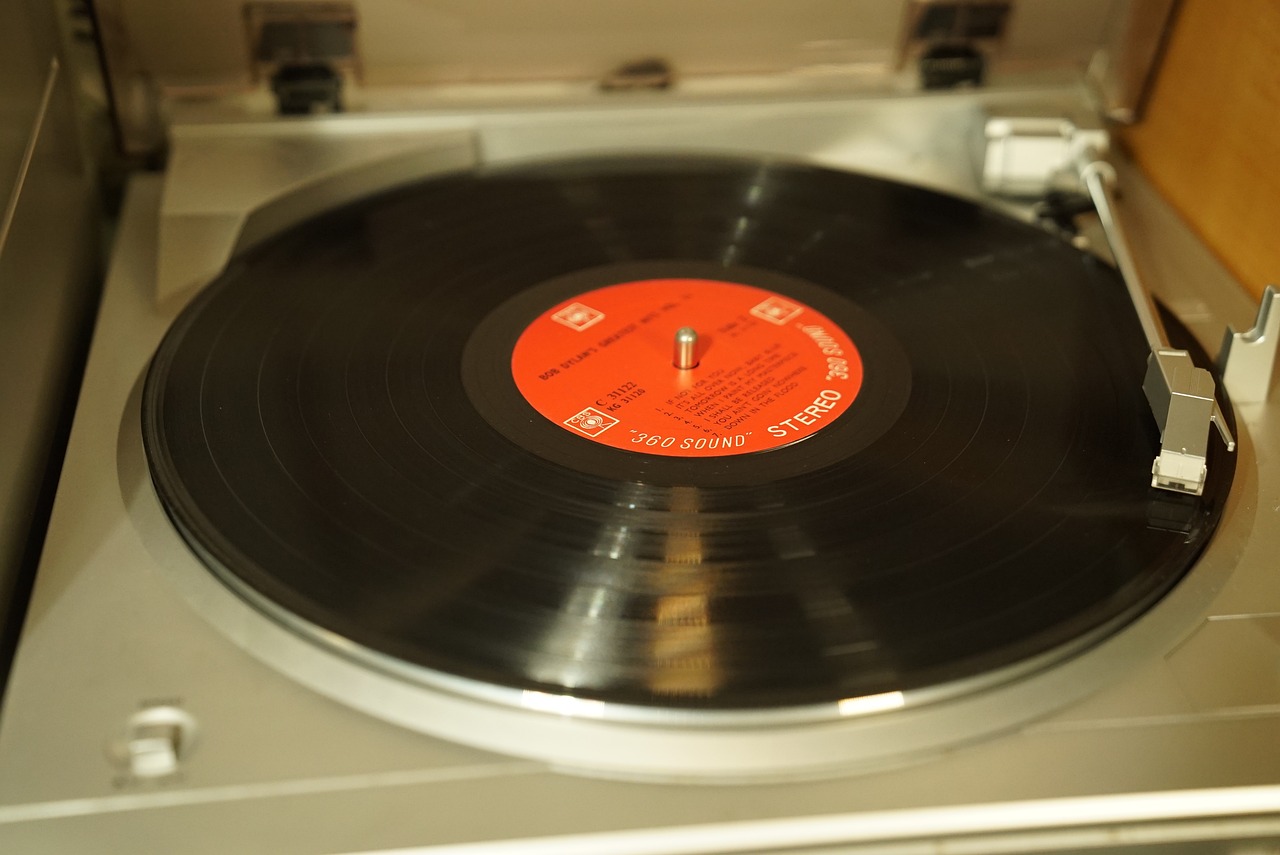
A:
{"x":335,"y":425}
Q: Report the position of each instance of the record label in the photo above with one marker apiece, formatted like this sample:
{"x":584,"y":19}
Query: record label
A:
{"x":765,"y":370}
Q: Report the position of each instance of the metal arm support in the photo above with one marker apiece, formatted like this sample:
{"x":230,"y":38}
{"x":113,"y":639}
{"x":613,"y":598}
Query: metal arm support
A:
{"x":1247,"y":361}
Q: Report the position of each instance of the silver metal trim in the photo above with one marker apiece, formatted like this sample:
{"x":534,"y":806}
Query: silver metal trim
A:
{"x":29,"y":151}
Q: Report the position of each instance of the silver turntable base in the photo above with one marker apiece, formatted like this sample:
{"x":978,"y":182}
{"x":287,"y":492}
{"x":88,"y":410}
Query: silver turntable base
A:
{"x":1176,"y":747}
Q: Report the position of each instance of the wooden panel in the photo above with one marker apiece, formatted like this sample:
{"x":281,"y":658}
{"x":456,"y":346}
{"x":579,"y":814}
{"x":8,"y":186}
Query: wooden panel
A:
{"x":1210,"y":136}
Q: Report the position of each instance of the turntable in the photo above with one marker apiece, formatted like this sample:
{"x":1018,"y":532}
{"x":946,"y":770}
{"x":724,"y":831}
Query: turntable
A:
{"x":728,"y":466}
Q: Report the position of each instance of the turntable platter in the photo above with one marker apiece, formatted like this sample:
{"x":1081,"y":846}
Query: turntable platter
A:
{"x":378,"y":426}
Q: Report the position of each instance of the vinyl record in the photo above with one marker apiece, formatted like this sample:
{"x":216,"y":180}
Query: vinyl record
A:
{"x":443,"y":425}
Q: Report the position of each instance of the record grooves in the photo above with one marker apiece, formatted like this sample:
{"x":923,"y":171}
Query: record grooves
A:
{"x":335,"y":426}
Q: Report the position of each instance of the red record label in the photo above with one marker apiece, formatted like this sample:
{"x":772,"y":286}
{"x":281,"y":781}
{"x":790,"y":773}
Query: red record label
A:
{"x":769,"y":370}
